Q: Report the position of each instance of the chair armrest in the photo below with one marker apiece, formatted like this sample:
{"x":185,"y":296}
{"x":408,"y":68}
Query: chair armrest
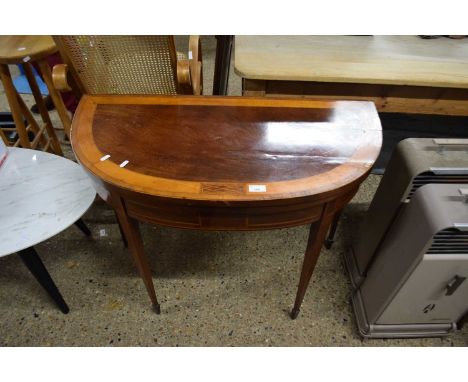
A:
{"x":59,"y":78}
{"x":189,"y":72}
{"x":195,"y":64}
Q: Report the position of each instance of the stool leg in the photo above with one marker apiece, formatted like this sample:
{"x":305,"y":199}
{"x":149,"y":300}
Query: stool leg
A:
{"x":83,"y":227}
{"x":3,"y":137}
{"x":26,"y":113}
{"x":33,"y":262}
{"x":12,"y":97}
{"x":42,"y":108}
{"x":56,"y":97}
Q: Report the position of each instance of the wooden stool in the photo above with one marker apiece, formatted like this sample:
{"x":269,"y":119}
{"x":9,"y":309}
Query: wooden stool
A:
{"x":23,"y":50}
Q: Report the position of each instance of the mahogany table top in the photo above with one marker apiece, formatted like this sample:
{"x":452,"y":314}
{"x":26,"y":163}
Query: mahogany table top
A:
{"x":226,"y":148}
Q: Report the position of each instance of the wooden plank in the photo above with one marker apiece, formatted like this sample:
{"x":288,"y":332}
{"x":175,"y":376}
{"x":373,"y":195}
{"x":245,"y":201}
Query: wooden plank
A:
{"x":391,"y":60}
{"x":387,"y":98}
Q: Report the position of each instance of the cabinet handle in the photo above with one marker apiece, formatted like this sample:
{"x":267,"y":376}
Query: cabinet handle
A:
{"x":453,"y":285}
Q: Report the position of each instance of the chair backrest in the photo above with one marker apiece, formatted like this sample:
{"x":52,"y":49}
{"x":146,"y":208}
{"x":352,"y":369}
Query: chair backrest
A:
{"x":121,"y":64}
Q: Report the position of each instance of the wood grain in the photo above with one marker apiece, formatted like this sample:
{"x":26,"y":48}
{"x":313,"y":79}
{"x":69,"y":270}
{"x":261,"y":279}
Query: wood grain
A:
{"x":332,"y":145}
{"x":13,"y":49}
{"x":391,"y":60}
{"x":387,"y":98}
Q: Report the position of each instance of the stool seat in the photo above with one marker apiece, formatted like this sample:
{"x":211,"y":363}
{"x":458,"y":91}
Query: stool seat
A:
{"x":26,"y":51}
{"x":13,"y":49}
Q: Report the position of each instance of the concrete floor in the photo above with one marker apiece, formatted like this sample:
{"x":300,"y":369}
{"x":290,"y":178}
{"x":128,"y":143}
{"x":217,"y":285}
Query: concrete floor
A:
{"x":215,"y":289}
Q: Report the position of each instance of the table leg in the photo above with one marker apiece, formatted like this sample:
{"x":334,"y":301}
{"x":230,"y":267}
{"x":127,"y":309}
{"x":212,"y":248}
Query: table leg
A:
{"x":56,"y":97}
{"x":122,"y":235}
{"x":318,"y":231}
{"x":222,"y":64}
{"x":131,"y":230}
{"x":33,"y":262}
{"x":331,"y":233}
{"x":83,"y":227}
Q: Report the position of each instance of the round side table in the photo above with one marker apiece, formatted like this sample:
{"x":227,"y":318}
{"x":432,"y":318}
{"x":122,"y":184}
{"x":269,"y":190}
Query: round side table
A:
{"x":41,"y":194}
{"x":24,"y":50}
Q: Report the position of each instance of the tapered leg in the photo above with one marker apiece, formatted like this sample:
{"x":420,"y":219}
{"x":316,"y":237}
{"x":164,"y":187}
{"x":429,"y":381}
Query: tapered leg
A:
{"x":318,"y":231}
{"x":131,"y":231}
{"x":122,"y":235}
{"x":33,"y":262}
{"x":83,"y":227}
{"x":331,"y":233}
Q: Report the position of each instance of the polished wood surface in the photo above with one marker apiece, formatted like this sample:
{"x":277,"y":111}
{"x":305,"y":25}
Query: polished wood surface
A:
{"x":185,"y":147}
{"x":225,"y":163}
{"x":402,"y":74}
{"x":14,"y":49}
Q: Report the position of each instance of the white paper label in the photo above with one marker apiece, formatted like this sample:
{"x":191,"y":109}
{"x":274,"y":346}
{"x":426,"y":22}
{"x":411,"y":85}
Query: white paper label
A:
{"x":190,"y":56}
{"x":26,"y":59}
{"x":124,"y":163}
{"x":105,"y":157}
{"x":257,"y":188}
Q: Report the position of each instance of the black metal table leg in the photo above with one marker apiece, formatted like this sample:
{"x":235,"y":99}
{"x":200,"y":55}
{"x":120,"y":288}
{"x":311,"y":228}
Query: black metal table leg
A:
{"x":222,"y":64}
{"x":83,"y":227}
{"x":34,"y":263}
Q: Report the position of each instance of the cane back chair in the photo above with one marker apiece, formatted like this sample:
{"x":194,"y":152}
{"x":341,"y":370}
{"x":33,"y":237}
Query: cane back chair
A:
{"x":128,"y":65}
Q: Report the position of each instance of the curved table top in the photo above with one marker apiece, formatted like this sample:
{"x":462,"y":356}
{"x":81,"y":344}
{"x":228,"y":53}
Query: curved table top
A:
{"x":41,"y":194}
{"x":225,"y":148}
{"x":388,"y":60}
{"x":13,"y":49}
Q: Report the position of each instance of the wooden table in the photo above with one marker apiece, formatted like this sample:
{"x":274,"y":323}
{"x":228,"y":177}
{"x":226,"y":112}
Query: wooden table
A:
{"x":40,"y":195}
{"x":225,"y":163}
{"x":404,"y":74}
{"x":24,"y":50}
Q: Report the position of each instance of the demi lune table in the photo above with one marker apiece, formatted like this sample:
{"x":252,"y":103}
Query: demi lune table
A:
{"x":41,"y":194}
{"x":225,"y":163}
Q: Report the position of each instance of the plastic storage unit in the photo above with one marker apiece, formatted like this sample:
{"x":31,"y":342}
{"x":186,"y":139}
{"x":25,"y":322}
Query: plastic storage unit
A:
{"x":417,"y":286}
{"x":414,"y":163}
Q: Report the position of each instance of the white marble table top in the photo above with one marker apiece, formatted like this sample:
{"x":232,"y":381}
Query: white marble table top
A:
{"x":41,"y":194}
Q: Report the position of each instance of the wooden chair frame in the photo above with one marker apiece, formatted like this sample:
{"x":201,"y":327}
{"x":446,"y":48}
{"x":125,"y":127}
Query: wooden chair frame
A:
{"x":188,"y":73}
